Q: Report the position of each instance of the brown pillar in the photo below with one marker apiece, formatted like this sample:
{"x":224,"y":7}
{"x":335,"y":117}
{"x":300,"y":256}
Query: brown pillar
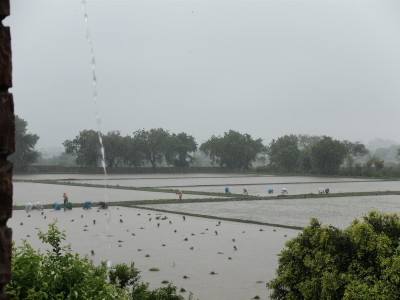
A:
{"x":7,"y":145}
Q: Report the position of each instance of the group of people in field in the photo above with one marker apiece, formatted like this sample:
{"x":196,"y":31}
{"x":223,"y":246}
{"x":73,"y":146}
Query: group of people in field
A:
{"x":30,"y":206}
{"x":179,"y":192}
{"x":66,"y":205}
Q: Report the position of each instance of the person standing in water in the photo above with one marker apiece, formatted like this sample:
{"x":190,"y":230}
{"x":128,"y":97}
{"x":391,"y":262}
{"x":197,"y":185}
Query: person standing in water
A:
{"x":65,"y":198}
{"x":180,"y":193}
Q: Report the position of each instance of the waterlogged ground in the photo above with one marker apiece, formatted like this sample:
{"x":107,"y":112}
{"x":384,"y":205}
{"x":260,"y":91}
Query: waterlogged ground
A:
{"x":305,"y":187}
{"x":339,"y":212}
{"x":187,"y":251}
{"x":25,"y":192}
{"x":255,"y":184}
{"x":215,"y":183}
{"x":192,"y":247}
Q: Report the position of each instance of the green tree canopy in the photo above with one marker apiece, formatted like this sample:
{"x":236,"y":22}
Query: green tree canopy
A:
{"x":327,"y":155}
{"x":324,"y":262}
{"x":133,"y":153}
{"x":153,"y":144}
{"x":284,"y":153}
{"x":374,"y":163}
{"x":25,"y":143}
{"x":305,"y":142}
{"x":85,"y":147}
{"x":114,"y":148}
{"x":180,"y":150}
{"x":233,"y":150}
{"x":353,"y":150}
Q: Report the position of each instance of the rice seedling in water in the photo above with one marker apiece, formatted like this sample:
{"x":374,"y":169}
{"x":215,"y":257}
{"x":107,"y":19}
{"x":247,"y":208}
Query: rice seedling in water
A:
{"x":154,"y":269}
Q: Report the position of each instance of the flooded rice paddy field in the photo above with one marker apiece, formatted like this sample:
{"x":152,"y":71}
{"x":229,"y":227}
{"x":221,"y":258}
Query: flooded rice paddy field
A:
{"x":25,"y":192}
{"x":188,"y":181}
{"x":304,"y":187}
{"x":225,"y":261}
{"x":337,"y":211}
{"x":99,"y":178}
{"x":189,"y":251}
{"x":216,"y":183}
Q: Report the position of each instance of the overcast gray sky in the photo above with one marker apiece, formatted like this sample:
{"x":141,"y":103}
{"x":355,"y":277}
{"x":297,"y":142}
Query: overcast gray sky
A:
{"x":267,"y":68}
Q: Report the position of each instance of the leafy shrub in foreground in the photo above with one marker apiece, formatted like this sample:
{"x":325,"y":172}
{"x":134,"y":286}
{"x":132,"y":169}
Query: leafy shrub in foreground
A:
{"x":61,"y":274}
{"x":360,"y":262}
{"x":126,"y":275}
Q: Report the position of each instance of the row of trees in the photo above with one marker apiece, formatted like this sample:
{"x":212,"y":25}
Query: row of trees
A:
{"x":152,"y":146}
{"x":156,"y":147}
{"x":290,"y":153}
{"x":313,"y":154}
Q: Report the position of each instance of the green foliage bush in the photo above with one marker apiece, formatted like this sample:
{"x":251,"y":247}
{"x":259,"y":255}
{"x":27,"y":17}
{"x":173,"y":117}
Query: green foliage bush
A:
{"x":324,"y":262}
{"x":142,"y":292}
{"x":126,"y":275}
{"x":25,"y":153}
{"x":61,"y":274}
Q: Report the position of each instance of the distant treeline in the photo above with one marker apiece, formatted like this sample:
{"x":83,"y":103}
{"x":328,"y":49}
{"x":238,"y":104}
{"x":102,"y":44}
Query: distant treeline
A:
{"x":58,"y":169}
{"x":294,"y":154}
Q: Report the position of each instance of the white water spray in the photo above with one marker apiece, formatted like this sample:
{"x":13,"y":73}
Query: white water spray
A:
{"x":98,"y":121}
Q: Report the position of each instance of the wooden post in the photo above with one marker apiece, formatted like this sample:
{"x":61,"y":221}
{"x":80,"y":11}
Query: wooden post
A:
{"x":7,"y":147}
